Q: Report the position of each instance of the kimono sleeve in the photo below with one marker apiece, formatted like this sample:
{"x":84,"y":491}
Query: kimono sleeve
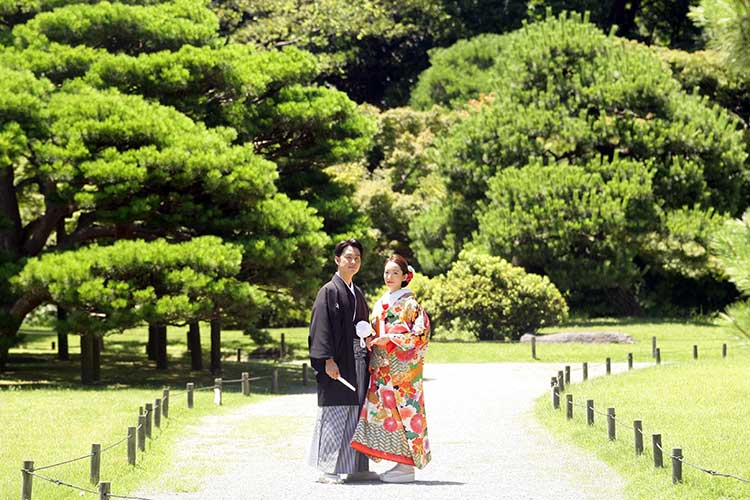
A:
{"x":321,"y":340}
{"x":419,"y":328}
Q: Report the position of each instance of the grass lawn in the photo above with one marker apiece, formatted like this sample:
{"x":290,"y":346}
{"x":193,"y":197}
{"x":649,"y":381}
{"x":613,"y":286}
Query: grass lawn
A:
{"x":51,"y":426}
{"x":674,"y":338}
{"x":699,"y":406}
{"x":50,"y":417}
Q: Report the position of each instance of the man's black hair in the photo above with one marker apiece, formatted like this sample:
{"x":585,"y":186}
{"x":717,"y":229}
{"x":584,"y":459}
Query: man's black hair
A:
{"x":341,"y":246}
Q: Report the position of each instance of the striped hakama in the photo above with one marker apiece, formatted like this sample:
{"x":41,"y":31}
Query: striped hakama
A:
{"x":331,"y":450}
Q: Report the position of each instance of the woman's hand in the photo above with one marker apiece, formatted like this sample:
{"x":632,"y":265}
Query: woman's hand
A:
{"x":380,"y":341}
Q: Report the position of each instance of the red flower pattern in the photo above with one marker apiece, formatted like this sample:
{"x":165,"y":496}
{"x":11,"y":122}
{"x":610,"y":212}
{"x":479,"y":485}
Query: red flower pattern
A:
{"x":390,"y":424}
{"x":417,"y":423}
{"x":389,"y":399}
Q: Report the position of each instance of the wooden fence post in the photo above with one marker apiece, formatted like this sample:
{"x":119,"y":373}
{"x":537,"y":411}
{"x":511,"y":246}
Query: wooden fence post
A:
{"x":676,"y":465}
{"x":653,"y":347}
{"x":149,"y":416}
{"x":28,"y":467}
{"x":165,"y":404}
{"x":104,"y":490}
{"x":611,"y":429}
{"x":638,"y":429}
{"x":157,"y":413}
{"x":658,"y":459}
{"x":142,"y":432}
{"x":96,"y":460}
{"x":275,"y":381}
{"x":585,"y":371}
{"x":567,"y":375}
{"x":630,"y":361}
{"x":218,"y":387}
{"x":239,"y":355}
{"x":569,"y":409}
{"x":533,"y":347}
{"x":131,"y":445}
{"x":695,"y":352}
{"x":723,"y":350}
{"x":590,"y":412}
{"x":304,"y":374}
{"x":282,"y":348}
{"x":608,"y":362}
{"x":658,"y":355}
{"x":555,"y":397}
{"x":561,"y":381}
{"x":190,"y":387}
{"x":245,"y":383}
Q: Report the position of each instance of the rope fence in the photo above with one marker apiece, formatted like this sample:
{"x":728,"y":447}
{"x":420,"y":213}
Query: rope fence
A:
{"x":149,"y":417}
{"x":559,"y":382}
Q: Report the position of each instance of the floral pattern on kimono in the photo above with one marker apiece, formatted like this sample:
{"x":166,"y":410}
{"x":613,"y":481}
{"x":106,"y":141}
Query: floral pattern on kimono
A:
{"x":393,"y":424}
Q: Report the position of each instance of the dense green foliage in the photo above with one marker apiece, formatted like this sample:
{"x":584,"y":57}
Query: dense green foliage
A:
{"x":707,"y":72}
{"x":112,"y":288}
{"x":727,"y":26}
{"x":491,"y":299}
{"x":137,"y":121}
{"x":732,"y":248}
{"x":582,"y":226}
{"x":561,"y":93}
{"x":375,"y":49}
{"x":394,"y":180}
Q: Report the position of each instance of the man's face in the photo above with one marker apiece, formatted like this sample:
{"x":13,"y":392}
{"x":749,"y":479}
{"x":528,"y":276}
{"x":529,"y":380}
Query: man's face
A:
{"x":349,"y":261}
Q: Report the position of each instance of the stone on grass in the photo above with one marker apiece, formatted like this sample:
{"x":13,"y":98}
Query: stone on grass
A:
{"x":603,"y":337}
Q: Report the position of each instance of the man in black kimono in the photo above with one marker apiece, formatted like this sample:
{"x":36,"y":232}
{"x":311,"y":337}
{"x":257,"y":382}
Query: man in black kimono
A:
{"x":336,"y":355}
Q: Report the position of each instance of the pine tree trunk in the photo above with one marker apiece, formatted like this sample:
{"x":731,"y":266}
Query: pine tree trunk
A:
{"x":62,"y":337}
{"x":9,"y":326}
{"x":3,"y":357}
{"x":96,"y":358}
{"x":160,"y":339}
{"x":215,"y":346}
{"x":194,"y":342}
{"x":87,"y":359}
{"x":624,"y":301}
{"x":151,"y":346}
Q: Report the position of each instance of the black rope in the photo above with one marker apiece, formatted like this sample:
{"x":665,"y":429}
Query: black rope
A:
{"x":59,"y":482}
{"x":65,"y":462}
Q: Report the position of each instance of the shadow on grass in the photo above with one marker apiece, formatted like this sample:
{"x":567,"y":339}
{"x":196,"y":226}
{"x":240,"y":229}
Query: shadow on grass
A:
{"x":634,"y":321}
{"x":121,"y":369}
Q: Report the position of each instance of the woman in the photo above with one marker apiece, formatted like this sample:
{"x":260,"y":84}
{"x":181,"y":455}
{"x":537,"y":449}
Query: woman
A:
{"x":392,"y":423}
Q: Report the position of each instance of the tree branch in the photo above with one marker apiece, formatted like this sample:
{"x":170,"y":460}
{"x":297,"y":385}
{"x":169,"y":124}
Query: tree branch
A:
{"x":37,"y":232}
{"x":27,"y":303}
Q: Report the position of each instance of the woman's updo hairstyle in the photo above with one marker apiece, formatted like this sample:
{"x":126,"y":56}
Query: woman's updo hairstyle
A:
{"x":405,"y":268}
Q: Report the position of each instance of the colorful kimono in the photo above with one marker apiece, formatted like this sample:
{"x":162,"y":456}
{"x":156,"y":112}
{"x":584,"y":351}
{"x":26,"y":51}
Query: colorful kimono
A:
{"x":392,"y":424}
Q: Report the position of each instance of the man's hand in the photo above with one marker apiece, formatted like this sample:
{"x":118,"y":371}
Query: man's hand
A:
{"x":332,"y":369}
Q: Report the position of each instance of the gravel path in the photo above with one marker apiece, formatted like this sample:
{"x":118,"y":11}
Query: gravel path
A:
{"x":485,"y":442}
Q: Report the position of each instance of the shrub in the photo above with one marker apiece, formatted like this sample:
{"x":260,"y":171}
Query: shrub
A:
{"x":575,"y":225}
{"x":494,"y":298}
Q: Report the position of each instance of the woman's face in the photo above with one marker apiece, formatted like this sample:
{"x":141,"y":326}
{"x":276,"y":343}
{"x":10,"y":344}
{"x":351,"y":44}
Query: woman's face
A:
{"x":393,"y":276}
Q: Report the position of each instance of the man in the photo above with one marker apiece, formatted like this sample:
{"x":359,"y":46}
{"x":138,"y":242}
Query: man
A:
{"x":337,"y":356}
